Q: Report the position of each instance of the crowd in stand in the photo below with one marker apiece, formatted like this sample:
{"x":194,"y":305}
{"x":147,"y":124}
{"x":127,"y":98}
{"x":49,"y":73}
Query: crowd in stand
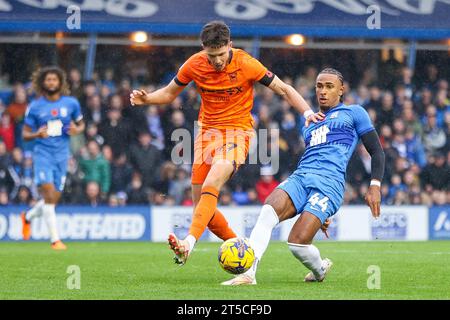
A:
{"x":125,"y":155}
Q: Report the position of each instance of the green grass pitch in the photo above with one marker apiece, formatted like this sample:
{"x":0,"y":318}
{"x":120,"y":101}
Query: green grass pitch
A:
{"x":408,"y":270}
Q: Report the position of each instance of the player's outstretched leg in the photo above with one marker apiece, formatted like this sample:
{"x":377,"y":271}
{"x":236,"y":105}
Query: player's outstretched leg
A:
{"x":26,"y":217}
{"x":278,"y":207}
{"x":300,"y":244}
{"x":204,"y":210}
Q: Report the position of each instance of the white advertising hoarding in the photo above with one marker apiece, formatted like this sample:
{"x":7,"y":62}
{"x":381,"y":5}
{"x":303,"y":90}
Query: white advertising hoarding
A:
{"x":351,"y":223}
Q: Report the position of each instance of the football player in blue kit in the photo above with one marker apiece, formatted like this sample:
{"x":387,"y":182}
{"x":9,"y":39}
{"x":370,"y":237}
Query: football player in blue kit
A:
{"x":50,"y":120}
{"x":315,"y":190}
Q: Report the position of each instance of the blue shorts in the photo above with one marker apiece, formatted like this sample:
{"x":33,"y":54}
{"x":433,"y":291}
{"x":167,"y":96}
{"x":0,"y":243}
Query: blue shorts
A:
{"x":316,"y":194}
{"x":47,"y":171}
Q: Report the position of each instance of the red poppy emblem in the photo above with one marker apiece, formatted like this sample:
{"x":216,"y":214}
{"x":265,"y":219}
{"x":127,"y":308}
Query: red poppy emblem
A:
{"x":54,"y":112}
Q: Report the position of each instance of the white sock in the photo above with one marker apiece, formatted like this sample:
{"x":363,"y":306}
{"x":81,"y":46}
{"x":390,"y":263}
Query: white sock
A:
{"x":261,"y":233}
{"x":50,"y":218}
{"x":36,"y":211}
{"x":191,"y":240}
{"x":309,"y":255}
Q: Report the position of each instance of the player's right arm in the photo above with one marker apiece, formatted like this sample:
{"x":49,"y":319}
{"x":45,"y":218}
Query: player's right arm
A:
{"x":161,"y":96}
{"x":167,"y":94}
{"x":296,"y":100}
{"x":28,"y":134}
{"x":30,"y":130}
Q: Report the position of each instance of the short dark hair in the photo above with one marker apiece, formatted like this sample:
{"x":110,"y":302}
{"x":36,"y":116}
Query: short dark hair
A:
{"x":39,"y":76}
{"x":336,"y":73}
{"x":215,"y":34}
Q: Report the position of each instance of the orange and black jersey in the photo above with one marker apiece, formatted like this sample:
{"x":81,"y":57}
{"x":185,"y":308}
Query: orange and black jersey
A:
{"x":227,"y":95}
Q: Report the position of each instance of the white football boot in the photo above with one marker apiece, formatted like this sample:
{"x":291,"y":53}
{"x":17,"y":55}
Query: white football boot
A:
{"x":326,"y":266}
{"x":240,"y":279}
{"x":180,"y":248}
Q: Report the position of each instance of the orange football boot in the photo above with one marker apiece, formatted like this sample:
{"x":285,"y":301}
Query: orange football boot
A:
{"x":58,"y":245}
{"x":26,"y":227}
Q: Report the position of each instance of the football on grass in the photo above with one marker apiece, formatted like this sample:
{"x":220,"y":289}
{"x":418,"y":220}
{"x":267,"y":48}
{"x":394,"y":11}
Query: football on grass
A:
{"x":236,"y":256}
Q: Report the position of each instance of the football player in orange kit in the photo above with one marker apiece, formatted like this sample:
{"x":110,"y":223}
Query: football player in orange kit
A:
{"x":224,"y":78}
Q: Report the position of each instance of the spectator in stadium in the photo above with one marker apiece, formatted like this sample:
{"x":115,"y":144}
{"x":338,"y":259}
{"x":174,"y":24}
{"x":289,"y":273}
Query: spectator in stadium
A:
{"x":154,"y":127}
{"x":431,"y":76}
{"x":6,"y":180}
{"x":116,"y":130}
{"x":4,"y":196}
{"x":191,"y":107}
{"x":145,"y":158}
{"x":17,"y":110}
{"x":136,"y":191}
{"x":415,"y":152}
{"x":7,"y":132}
{"x":239,"y":196}
{"x":406,"y":81}
{"x":187,"y":198}
{"x":94,"y":112}
{"x":182,"y":182}
{"x":122,"y":198}
{"x":23,"y":196}
{"x":92,"y":194}
{"x":386,"y":112}
{"x":113,"y":201}
{"x":290,"y":139}
{"x":89,"y":90}
{"x":107,"y":153}
{"x":434,"y":137}
{"x":108,"y":80}
{"x":225,"y":198}
{"x":96,"y":168}
{"x":375,"y":98}
{"x":252,"y":197}
{"x":266,"y":184}
{"x":92,"y":134}
{"x":121,"y":172}
{"x":410,"y":118}
{"x":166,"y":176}
{"x":177,"y":122}
{"x":18,"y":105}
{"x":396,"y":186}
{"x":73,"y":188}
{"x":75,"y":83}
{"x":425,"y":99}
{"x":436,"y":174}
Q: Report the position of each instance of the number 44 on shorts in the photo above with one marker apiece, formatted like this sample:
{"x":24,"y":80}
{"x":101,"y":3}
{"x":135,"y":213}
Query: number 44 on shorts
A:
{"x":315,"y":199}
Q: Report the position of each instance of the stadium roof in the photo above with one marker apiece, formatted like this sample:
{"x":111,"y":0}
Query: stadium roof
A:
{"x":421,"y":19}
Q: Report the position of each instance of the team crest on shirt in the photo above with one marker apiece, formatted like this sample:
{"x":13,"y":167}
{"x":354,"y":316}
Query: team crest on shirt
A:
{"x":63,"y":112}
{"x":233,"y":76}
{"x":334,"y":115}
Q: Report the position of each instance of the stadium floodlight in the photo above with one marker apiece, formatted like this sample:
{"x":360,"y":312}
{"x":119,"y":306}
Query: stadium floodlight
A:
{"x":139,"y":37}
{"x":296,"y":39}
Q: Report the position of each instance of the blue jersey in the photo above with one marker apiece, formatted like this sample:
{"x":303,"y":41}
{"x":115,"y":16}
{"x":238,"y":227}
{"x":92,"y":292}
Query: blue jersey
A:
{"x":330,"y":143}
{"x":56,"y":115}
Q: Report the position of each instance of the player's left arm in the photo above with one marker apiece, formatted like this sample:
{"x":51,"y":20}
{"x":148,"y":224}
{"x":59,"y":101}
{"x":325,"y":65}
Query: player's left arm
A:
{"x":295,"y":99}
{"x":372,"y":143}
{"x":77,"y":124}
{"x":368,"y":134}
{"x":76,"y":127}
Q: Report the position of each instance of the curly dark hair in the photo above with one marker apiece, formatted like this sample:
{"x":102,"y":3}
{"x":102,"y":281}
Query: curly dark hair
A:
{"x":39,"y":75}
